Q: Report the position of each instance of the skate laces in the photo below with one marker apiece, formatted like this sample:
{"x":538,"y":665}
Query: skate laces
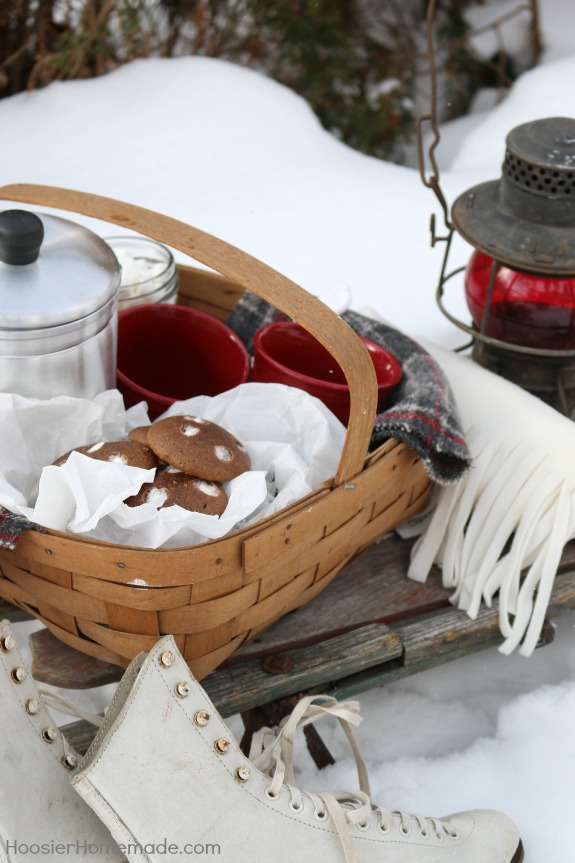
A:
{"x":64,"y":705}
{"x":272,"y":753}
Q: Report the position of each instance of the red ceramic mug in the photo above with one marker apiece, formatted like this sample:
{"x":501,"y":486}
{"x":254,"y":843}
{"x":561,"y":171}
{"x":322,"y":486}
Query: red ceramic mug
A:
{"x":285,"y":353}
{"x":169,"y":352}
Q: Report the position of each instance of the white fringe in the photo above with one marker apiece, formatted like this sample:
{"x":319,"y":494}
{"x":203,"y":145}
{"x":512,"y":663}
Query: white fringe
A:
{"x":502,"y":528}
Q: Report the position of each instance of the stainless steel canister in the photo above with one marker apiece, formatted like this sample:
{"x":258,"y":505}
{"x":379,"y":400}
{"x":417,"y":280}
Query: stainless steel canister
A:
{"x":58,"y":307}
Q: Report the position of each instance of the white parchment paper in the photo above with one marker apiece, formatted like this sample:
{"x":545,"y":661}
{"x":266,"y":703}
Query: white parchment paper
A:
{"x":293,"y":440}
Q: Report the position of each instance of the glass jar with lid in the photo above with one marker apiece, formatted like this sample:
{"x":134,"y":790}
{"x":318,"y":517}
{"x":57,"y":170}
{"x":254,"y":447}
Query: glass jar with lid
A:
{"x":149,"y":271}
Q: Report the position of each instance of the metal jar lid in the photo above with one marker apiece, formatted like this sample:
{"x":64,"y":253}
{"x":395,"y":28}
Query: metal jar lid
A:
{"x":58,"y":282}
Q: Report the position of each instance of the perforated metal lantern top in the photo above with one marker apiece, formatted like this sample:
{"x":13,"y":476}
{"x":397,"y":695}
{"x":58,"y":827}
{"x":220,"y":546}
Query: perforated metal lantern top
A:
{"x":526,"y":219}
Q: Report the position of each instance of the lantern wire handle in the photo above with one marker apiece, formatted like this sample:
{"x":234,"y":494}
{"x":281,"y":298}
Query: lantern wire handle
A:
{"x":431,"y":181}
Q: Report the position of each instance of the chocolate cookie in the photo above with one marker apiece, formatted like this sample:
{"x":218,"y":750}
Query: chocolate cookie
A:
{"x":139,"y":434}
{"x":198,"y":447}
{"x":122,"y":452}
{"x":174,"y":487}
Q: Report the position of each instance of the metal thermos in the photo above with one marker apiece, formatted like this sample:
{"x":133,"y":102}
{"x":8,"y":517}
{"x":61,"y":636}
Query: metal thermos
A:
{"x":58,"y":307}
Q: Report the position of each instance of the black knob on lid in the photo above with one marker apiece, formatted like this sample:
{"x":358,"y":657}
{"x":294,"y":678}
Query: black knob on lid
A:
{"x":21,"y":235}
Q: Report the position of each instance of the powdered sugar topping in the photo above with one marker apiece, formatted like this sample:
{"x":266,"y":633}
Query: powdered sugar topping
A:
{"x":95,"y":447}
{"x":189,"y":431}
{"x":223,"y":453}
{"x":207,"y":487}
{"x":117,"y":458}
{"x":157,"y":496}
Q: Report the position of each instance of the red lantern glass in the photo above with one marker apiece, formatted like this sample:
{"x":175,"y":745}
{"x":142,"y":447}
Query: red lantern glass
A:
{"x":530,"y":310}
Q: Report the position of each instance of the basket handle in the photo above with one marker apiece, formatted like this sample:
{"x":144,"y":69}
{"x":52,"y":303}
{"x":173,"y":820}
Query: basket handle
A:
{"x":333,"y":333}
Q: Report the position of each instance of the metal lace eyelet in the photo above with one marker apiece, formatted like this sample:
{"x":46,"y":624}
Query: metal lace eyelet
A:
{"x":32,"y":706}
{"x":167,"y":658}
{"x":320,"y":814}
{"x":243,"y":773}
{"x":270,"y":795}
{"x":201,"y":718}
{"x":69,"y":761}
{"x":222,"y":745}
{"x":18,"y":674}
{"x":7,"y":643}
{"x":295,"y":807}
{"x":50,"y":734}
{"x":182,"y":689}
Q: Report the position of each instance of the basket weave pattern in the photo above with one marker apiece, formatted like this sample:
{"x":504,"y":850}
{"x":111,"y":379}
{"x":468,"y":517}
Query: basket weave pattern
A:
{"x":112,"y":601}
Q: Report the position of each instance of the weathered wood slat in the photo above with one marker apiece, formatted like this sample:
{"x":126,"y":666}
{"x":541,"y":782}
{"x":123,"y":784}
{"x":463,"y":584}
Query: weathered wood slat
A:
{"x":12,"y":613}
{"x":372,"y":588}
{"x":79,"y":734}
{"x":57,"y":664}
{"x":389,"y":672}
{"x":447,"y":630}
{"x":449,"y":635}
{"x":240,"y":687}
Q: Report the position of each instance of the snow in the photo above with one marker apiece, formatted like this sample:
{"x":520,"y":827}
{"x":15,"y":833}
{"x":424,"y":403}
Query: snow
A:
{"x":238,"y":155}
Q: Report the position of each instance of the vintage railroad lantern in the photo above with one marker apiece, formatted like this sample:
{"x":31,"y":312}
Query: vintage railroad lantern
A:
{"x":520,"y":280}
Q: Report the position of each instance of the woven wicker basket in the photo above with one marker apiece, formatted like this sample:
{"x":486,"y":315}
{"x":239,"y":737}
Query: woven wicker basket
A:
{"x":216,"y":596}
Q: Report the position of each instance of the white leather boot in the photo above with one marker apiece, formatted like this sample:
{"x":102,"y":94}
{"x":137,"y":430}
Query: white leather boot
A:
{"x":41,"y":816}
{"x":168,"y":779}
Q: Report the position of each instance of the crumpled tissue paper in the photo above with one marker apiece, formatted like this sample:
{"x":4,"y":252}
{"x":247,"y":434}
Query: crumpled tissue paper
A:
{"x":293,"y":440}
